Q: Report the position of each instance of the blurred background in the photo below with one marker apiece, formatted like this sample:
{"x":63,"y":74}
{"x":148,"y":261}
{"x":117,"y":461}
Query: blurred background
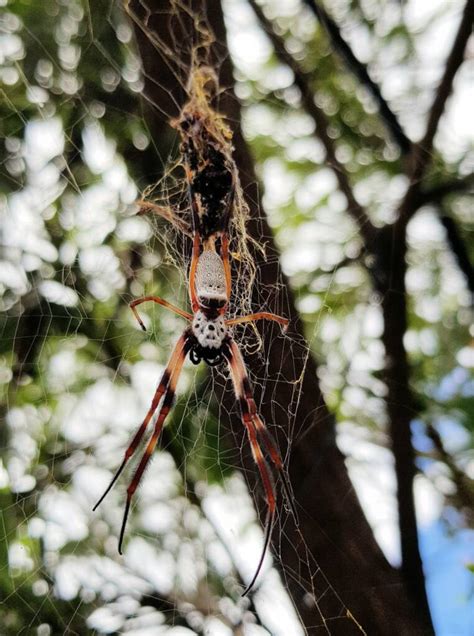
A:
{"x":385,"y":307}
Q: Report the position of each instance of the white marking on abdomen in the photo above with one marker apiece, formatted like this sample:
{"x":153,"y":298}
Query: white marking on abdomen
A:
{"x":209,"y":333}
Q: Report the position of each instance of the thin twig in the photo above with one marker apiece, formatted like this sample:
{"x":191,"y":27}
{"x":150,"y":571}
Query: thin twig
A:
{"x":455,"y":241}
{"x":436,"y":193}
{"x":359,"y":69}
{"x":458,"y":249}
{"x":317,"y":114}
{"x":464,"y":485}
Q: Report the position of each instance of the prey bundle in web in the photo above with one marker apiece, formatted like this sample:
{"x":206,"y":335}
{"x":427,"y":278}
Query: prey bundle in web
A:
{"x":208,"y":170}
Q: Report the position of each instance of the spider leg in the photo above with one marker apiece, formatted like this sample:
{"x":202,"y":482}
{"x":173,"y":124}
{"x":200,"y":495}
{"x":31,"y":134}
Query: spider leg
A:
{"x":226,"y":262}
{"x":261,"y":315}
{"x":269,"y":522}
{"x":162,"y":414}
{"x":265,"y":474}
{"x":225,"y":244}
{"x":271,"y":447}
{"x":159,"y":301}
{"x":245,"y":389}
{"x":196,"y":241}
{"x":166,"y":213}
{"x":268,"y":486}
{"x":174,"y":364}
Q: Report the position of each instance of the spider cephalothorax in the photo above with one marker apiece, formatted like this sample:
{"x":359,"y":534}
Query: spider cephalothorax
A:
{"x":208,"y":338}
{"x":211,"y":282}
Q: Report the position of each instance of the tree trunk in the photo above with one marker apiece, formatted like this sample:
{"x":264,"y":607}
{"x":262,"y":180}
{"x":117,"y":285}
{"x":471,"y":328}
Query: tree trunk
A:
{"x":389,"y":279}
{"x":332,"y":566}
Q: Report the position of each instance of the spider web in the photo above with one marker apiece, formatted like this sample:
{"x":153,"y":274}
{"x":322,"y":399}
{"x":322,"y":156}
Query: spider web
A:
{"x":76,"y":255}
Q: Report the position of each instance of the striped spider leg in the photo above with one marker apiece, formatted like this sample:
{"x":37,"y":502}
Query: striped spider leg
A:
{"x":256,"y":429}
{"x":166,"y":388}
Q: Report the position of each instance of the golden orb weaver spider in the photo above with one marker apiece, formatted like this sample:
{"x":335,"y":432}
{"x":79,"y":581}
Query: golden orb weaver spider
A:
{"x":210,"y":182}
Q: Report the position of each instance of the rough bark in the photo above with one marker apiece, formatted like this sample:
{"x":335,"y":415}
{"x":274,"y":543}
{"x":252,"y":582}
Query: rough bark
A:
{"x":333,"y":555}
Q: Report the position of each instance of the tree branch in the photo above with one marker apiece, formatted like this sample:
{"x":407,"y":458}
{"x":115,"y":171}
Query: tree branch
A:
{"x":317,"y":114}
{"x":438,"y":192}
{"x":453,"y":63}
{"x":421,"y":158}
{"x":393,"y":125}
{"x":389,"y":281}
{"x":359,"y":69}
{"x":458,"y":249}
{"x":464,"y":485}
{"x":455,"y":241}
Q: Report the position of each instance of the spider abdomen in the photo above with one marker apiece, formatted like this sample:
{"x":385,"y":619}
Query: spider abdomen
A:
{"x":209,"y":332}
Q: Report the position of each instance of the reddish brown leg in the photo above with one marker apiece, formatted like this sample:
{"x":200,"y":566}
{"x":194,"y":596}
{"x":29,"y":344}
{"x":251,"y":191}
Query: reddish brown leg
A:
{"x":257,"y":454}
{"x":245,"y":390}
{"x":192,"y":272}
{"x":271,"y":447}
{"x":261,"y":315}
{"x":269,"y":488}
{"x":173,"y":367}
{"x":226,"y":261}
{"x":159,"y":301}
{"x":164,"y":212}
{"x":196,"y":241}
{"x":164,"y":410}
